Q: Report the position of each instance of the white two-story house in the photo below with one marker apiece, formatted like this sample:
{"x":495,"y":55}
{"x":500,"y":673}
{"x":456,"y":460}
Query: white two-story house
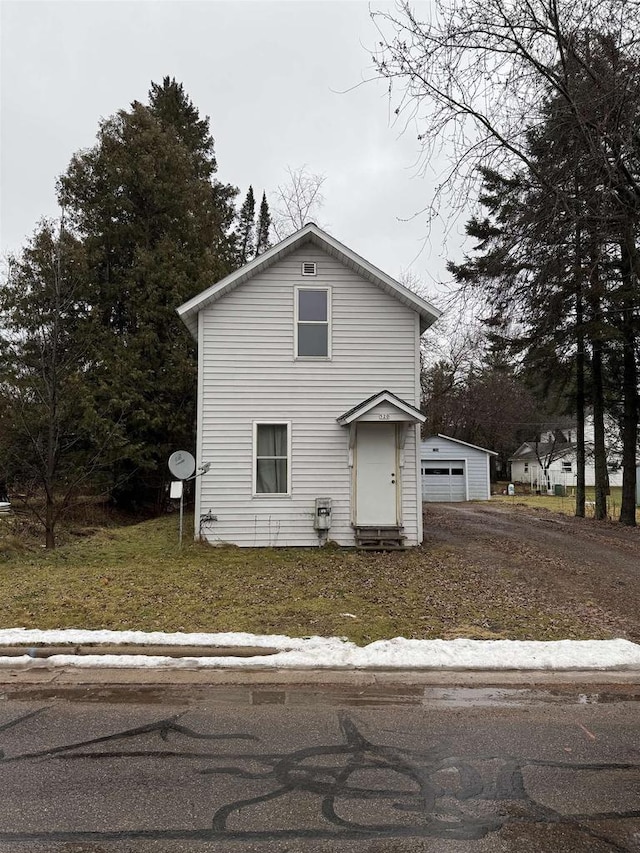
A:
{"x":551,"y":460}
{"x":308,"y":400}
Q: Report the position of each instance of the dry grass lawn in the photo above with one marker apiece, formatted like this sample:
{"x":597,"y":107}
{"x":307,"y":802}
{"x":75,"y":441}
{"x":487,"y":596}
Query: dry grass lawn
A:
{"x":566,"y":505}
{"x":135,"y":577}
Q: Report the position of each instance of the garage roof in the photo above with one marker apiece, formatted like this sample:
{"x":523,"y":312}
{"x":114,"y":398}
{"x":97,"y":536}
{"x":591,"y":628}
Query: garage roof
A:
{"x":463,"y":443}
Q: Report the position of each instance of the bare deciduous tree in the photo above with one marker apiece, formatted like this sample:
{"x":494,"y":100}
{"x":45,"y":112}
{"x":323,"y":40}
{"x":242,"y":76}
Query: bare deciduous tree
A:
{"x":475,"y":78}
{"x":296,"y":202}
{"x":476,"y":75}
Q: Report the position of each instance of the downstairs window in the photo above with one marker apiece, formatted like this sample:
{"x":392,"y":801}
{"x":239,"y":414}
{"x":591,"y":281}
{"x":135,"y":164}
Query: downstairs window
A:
{"x":271,"y":458}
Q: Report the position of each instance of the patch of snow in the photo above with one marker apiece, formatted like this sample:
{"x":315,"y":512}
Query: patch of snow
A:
{"x":333,"y":652}
{"x":82,"y":637}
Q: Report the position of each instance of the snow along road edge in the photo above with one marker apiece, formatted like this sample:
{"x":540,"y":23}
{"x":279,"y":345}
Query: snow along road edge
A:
{"x":330,"y":652}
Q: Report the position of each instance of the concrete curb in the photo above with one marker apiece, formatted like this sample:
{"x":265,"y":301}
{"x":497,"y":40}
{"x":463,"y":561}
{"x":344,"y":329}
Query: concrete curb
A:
{"x":42,"y":672}
{"x":314,"y":689}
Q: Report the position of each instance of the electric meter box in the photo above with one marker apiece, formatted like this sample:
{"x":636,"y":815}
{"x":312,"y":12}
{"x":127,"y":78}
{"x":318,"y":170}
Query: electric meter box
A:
{"x":322,"y":515}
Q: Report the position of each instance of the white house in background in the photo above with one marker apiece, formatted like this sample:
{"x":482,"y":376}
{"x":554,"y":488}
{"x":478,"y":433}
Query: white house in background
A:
{"x":552,"y":460}
{"x":453,"y":470}
{"x":308,"y":400}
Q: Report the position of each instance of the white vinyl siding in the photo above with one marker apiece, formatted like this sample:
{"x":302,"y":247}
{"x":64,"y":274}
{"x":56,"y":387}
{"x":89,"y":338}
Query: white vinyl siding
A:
{"x":437,"y":451}
{"x":249,"y":375}
{"x":532,"y":475}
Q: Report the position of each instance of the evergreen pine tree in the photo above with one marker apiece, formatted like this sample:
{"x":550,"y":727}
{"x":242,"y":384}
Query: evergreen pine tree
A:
{"x":560,"y":264}
{"x":246,"y":228}
{"x":176,"y":114}
{"x":55,"y":439}
{"x":172,"y":107}
{"x":156,"y":225}
{"x":264,"y":227}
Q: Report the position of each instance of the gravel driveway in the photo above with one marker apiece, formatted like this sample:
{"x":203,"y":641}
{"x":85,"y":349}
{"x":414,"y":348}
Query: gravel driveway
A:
{"x":592,"y":565}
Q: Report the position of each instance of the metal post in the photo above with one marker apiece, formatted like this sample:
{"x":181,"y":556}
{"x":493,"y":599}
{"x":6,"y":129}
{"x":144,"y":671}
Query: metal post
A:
{"x":182,"y":466}
{"x":181,"y":511}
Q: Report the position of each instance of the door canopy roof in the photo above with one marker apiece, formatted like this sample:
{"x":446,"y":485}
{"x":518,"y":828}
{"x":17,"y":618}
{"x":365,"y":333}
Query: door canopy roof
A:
{"x":383,"y":407}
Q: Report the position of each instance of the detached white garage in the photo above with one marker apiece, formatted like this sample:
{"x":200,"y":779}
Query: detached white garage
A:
{"x":453,"y":470}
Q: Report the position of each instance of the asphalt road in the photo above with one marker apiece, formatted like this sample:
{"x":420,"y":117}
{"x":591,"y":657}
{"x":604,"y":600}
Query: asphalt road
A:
{"x":449,"y":770}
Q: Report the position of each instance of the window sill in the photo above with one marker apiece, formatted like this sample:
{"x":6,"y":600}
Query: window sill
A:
{"x":312,"y":358}
{"x":271,"y":495}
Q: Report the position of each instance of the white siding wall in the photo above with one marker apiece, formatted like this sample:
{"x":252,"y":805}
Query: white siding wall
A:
{"x":249,"y":373}
{"x":518,"y":473}
{"x":434,"y":448}
{"x":535,"y":476}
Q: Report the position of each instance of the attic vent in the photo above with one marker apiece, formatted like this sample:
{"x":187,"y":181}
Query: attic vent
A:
{"x":308,"y":268}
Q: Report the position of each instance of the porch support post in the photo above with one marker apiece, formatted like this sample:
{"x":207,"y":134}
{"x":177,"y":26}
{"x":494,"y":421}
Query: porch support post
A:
{"x":352,"y":442}
{"x":403,"y":429}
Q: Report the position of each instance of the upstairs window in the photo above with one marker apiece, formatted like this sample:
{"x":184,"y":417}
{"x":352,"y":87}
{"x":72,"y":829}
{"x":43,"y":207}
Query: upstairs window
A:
{"x":271,"y":467}
{"x":566,"y":468}
{"x":313,"y":312}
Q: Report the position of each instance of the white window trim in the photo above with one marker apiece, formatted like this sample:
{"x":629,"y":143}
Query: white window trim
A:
{"x":254,"y":458}
{"x":297,"y":290}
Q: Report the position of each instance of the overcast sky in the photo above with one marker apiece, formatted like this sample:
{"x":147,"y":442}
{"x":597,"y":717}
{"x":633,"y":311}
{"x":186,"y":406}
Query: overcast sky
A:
{"x":276,"y":79}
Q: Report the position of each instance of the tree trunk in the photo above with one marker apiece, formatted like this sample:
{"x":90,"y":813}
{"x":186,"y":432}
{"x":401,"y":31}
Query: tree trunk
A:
{"x":580,"y":385}
{"x":49,"y":523}
{"x":631,"y":409}
{"x":581,"y":491}
{"x":599,"y":449}
{"x":597,"y":387}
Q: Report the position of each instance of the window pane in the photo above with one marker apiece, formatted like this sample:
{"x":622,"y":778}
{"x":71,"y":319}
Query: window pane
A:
{"x":459,"y":471}
{"x":271,"y":476}
{"x":272,"y":440}
{"x":313,"y":339}
{"x":432,"y":472}
{"x":312,"y":305}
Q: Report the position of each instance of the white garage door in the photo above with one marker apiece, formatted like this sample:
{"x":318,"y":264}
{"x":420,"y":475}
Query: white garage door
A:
{"x":443,"y":481}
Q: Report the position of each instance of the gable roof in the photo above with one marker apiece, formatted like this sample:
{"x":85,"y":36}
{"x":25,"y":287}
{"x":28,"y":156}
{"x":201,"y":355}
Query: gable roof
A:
{"x":375,"y":400}
{"x":529,"y":452}
{"x":188,"y":312}
{"x":463,"y":443}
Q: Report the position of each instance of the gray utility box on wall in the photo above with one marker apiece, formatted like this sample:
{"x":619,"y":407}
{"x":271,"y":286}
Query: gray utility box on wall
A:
{"x":322,"y":516}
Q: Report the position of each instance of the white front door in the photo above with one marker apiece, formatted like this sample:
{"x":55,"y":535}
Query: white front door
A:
{"x":376,"y":475}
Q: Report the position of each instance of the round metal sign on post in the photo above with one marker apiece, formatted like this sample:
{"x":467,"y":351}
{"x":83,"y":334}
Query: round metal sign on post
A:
{"x":182,"y":464}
